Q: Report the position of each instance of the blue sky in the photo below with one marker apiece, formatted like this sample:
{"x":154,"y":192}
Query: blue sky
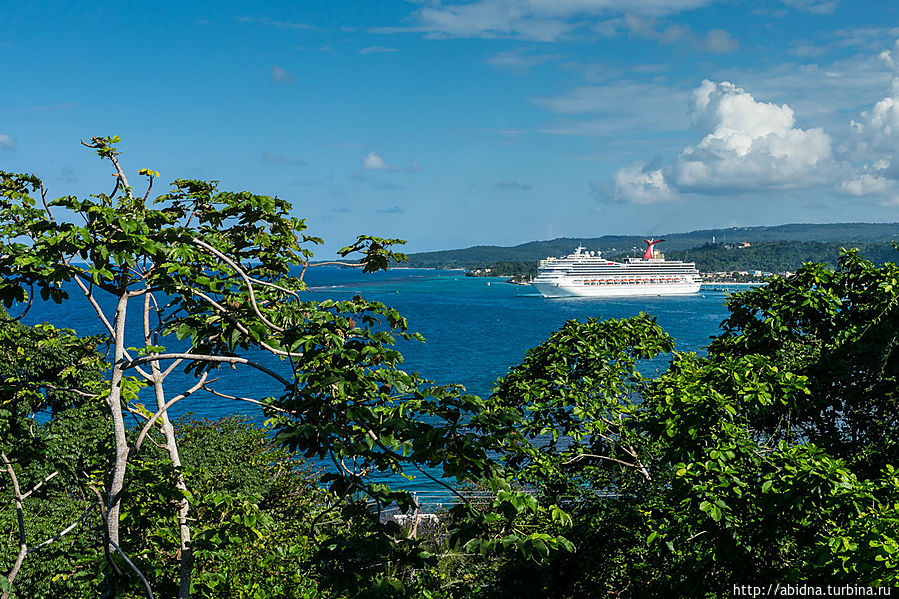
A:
{"x":453,"y":123}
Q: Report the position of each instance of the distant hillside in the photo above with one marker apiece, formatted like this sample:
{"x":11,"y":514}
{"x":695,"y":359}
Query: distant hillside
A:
{"x":779,"y":256}
{"x":485,"y":255}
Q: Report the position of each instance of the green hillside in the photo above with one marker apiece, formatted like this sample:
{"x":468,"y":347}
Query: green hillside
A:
{"x":779,"y":256}
{"x":853,"y":234}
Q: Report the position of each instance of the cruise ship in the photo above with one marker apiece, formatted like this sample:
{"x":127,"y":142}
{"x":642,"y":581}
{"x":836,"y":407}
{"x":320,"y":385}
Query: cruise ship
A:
{"x":588,"y":274}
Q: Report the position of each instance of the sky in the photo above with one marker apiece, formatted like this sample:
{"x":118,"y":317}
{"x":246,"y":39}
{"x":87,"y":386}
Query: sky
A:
{"x":482,"y":122}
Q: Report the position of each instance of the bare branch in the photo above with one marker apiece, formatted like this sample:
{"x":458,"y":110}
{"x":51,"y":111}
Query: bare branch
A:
{"x":90,"y":297}
{"x":247,"y":399}
{"x":23,"y":545}
{"x":64,"y":531}
{"x":241,"y":272}
{"x":78,"y":392}
{"x":119,"y":549}
{"x":242,"y":328}
{"x":133,"y":567}
{"x":47,"y":478}
{"x":146,"y":429}
{"x":205,"y":358}
{"x":584,"y":456}
{"x":44,"y":202}
{"x":353,"y":264}
{"x":149,"y":187}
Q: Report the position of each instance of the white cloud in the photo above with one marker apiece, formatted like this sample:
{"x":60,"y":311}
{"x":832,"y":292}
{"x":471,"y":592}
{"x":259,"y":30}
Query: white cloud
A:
{"x":378,"y":50}
{"x":815,"y":6}
{"x":639,"y":184}
{"x":519,"y":62}
{"x":622,"y":106}
{"x":275,"y":23}
{"x":715,"y":40}
{"x":280,"y":75}
{"x":7,"y":142}
{"x":373,"y":162}
{"x":749,"y":145}
{"x":746,"y":145}
{"x":867,"y":183}
{"x":719,"y":41}
{"x":875,"y":141}
{"x":539,"y":20}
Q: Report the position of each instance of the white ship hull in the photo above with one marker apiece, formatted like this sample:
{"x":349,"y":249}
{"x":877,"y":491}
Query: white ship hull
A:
{"x":588,"y":274}
{"x":575,"y":289}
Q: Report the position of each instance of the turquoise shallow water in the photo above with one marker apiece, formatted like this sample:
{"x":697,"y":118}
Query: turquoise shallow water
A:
{"x":475,"y":328}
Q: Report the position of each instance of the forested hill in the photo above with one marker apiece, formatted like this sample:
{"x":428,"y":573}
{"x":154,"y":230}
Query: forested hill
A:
{"x":484,"y":255}
{"x":778,"y":256}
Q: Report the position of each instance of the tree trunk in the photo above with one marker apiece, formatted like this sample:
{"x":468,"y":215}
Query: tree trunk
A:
{"x":118,"y":421}
{"x":171,"y":445}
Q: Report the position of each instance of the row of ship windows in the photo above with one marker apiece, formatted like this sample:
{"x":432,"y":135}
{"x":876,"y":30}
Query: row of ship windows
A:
{"x":662,"y":280}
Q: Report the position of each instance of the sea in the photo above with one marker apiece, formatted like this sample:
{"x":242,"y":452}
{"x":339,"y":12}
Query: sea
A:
{"x":475,"y":328}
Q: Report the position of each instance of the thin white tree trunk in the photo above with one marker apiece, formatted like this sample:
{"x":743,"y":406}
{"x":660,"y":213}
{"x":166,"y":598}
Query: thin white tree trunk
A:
{"x":118,"y":421}
{"x":171,"y":444}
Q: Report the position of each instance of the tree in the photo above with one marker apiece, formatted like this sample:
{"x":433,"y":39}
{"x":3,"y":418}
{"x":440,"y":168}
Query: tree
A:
{"x":768,"y":460}
{"x":217,"y":278}
{"x":205,"y":265}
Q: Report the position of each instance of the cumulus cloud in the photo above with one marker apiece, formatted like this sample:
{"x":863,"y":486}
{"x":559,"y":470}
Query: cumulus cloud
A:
{"x":749,"y":144}
{"x":875,"y":141}
{"x":867,"y":183}
{"x":640,"y":184}
{"x":373,"y":162}
{"x":283,"y":76}
{"x":7,"y":142}
{"x":746,"y":145}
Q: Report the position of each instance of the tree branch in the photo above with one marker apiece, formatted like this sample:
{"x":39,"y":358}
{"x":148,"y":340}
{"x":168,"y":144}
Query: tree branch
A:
{"x":241,"y":272}
{"x":47,"y":478}
{"x":206,"y":358}
{"x":23,"y":545}
{"x":247,"y":399}
{"x":583,"y":456}
{"x":242,"y":328}
{"x":64,"y":532}
{"x":146,"y":428}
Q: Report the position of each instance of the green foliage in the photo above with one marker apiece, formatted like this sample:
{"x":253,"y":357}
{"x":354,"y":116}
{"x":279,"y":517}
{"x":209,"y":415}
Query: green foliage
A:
{"x":778,"y":256}
{"x":770,"y":459}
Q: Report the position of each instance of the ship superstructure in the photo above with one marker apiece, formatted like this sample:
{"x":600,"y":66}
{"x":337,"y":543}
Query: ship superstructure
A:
{"x":588,"y":274}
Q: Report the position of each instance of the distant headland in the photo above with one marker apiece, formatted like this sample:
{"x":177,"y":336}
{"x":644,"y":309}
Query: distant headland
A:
{"x":748,"y":250}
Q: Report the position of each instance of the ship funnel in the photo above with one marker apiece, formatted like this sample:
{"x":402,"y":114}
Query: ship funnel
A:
{"x":649,"y":245}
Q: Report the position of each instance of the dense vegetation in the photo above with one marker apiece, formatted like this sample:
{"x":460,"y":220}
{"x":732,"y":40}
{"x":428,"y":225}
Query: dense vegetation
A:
{"x":769,"y":460}
{"x":778,"y":256}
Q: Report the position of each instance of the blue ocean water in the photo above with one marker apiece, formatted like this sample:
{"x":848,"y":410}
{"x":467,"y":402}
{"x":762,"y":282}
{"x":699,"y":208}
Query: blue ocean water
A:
{"x":475,"y":328}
